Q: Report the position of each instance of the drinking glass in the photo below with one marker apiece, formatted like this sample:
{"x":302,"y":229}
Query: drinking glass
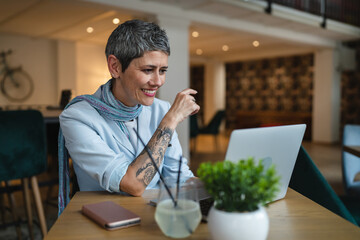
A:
{"x":180,"y":219}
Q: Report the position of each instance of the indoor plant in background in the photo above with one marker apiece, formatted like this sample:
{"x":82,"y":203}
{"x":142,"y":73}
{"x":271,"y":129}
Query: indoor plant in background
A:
{"x":240,"y":190}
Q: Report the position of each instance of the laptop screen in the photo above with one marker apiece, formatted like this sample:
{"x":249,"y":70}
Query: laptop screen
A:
{"x":275,"y":145}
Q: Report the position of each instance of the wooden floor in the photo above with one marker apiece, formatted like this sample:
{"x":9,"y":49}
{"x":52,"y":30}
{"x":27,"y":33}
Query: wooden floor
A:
{"x":326,"y":156}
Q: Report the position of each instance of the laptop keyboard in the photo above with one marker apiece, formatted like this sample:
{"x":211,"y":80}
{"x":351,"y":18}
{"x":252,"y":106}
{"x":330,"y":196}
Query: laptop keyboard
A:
{"x":205,"y":205}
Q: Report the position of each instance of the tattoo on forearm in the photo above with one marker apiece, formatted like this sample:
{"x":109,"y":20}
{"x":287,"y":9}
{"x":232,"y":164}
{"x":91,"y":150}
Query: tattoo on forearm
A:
{"x":166,"y":133}
{"x":149,"y":174}
{"x":157,"y":146}
{"x":143,"y":168}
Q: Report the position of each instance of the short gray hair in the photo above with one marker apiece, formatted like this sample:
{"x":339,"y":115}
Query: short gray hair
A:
{"x":133,"y":38}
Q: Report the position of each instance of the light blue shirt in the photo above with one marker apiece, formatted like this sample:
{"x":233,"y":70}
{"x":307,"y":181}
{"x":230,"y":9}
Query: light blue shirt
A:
{"x":101,"y":152}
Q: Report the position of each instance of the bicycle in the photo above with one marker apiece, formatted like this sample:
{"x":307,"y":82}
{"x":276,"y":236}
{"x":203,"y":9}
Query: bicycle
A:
{"x":16,"y":85}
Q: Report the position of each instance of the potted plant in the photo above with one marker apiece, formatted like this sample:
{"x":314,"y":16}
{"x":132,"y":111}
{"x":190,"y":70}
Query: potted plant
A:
{"x":241,"y":191}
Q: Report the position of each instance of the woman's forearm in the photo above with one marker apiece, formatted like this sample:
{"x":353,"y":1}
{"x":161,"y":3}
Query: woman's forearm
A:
{"x":141,"y":171}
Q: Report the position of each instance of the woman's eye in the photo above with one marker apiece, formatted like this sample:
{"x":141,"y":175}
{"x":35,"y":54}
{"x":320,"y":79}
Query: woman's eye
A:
{"x":150,"y":70}
{"x":147,"y":70}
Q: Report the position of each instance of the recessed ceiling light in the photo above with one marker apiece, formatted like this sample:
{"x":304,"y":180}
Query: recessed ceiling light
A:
{"x":256,"y":43}
{"x":199,"y":51}
{"x":90,"y":29}
{"x":225,"y":48}
{"x":195,"y":34}
{"x":116,"y":21}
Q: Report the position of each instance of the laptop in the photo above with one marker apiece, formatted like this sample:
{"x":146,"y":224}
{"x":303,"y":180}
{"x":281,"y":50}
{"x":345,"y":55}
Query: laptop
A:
{"x":278,"y":145}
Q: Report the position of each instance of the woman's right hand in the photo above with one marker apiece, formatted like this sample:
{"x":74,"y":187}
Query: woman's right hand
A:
{"x":184,"y":105}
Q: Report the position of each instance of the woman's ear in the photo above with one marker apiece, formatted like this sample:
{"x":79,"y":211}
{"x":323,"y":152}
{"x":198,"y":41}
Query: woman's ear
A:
{"x":114,"y":66}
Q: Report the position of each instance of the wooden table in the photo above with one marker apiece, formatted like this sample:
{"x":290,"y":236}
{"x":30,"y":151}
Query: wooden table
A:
{"x":355,"y":150}
{"x":295,"y":217}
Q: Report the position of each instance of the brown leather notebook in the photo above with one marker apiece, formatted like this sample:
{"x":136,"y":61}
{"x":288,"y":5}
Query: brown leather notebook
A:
{"x":110,"y":215}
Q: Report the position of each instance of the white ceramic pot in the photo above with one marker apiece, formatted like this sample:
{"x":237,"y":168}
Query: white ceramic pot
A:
{"x":234,"y":225}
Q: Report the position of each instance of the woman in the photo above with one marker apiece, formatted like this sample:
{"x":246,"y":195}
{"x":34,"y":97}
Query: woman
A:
{"x":99,"y":130}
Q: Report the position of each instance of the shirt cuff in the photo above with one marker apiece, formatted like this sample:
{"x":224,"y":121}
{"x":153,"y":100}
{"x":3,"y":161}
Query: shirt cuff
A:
{"x":115,"y":178}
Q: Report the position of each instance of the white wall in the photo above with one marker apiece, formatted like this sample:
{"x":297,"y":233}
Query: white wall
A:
{"x":326,"y":96}
{"x":54,"y":66}
{"x":38,"y":58}
{"x":91,"y":68}
{"x":66,"y":62}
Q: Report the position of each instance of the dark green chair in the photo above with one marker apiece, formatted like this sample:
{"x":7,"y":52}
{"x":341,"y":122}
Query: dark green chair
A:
{"x":308,"y":181}
{"x":213,"y":126}
{"x":353,"y":205}
{"x":194,"y":131}
{"x":23,"y":156}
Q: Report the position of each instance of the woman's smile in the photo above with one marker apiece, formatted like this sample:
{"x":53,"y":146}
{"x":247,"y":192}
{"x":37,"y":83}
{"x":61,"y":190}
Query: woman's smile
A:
{"x":149,"y":93}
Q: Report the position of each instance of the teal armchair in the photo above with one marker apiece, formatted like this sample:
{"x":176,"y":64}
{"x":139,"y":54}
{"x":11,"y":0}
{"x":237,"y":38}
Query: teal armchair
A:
{"x":23,"y":156}
{"x":308,"y":181}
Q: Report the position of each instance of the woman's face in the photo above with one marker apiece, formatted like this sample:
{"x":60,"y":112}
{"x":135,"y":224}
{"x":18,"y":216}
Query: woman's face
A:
{"x":140,"y":81}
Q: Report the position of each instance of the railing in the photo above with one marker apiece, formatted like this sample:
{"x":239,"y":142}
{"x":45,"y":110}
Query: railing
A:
{"x":346,"y":11}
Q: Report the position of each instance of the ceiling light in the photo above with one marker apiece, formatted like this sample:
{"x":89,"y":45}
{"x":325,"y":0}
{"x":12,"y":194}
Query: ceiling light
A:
{"x":256,"y":43}
{"x":225,"y":48}
{"x":195,"y":34}
{"x":199,"y":51}
{"x":90,"y":29}
{"x":116,"y":21}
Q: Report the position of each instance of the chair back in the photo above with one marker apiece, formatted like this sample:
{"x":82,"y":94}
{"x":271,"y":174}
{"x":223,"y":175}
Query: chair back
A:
{"x":308,"y":181}
{"x":194,"y":127}
{"x":214,"y":124}
{"x":351,"y":163}
{"x":22,"y":144}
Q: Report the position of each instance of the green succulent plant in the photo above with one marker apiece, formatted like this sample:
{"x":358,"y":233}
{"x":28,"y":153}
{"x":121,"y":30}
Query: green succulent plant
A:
{"x":241,"y":186}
